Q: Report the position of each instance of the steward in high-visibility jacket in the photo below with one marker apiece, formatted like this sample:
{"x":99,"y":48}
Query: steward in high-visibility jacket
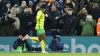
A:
{"x":98,"y":27}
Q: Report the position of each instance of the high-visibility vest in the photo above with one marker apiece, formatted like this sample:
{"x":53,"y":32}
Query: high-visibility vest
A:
{"x":98,"y":27}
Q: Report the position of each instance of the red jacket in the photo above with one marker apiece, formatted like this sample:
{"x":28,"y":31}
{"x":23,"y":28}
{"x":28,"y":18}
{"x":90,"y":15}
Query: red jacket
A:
{"x":98,"y":27}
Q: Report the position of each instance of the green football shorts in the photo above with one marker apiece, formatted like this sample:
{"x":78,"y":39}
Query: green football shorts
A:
{"x":40,"y":31}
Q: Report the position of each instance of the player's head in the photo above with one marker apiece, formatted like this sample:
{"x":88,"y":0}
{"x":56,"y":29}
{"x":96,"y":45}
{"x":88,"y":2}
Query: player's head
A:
{"x":43,"y":7}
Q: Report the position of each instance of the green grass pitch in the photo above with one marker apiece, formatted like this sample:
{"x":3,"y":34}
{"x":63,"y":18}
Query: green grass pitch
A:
{"x":49,"y":54}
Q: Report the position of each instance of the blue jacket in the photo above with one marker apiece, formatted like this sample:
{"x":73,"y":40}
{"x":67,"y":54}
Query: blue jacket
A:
{"x":56,"y":45}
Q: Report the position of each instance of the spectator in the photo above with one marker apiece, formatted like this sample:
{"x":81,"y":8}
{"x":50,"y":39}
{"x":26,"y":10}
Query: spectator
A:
{"x":31,"y":5}
{"x":47,"y":21}
{"x":8,"y":6}
{"x":70,"y":22}
{"x":14,"y":15}
{"x":80,"y":8}
{"x":89,"y":6}
{"x":69,"y":3}
{"x":26,"y":21}
{"x":32,"y":8}
{"x":59,"y":5}
{"x":23,"y":4}
{"x":20,"y":2}
{"x":6,"y":22}
{"x":96,"y":11}
{"x":88,"y":26}
{"x":80,"y":4}
{"x":54,"y":13}
{"x":81,"y":16}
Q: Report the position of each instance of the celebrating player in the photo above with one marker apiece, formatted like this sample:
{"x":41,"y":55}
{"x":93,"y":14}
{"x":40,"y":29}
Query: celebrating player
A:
{"x":40,"y":18}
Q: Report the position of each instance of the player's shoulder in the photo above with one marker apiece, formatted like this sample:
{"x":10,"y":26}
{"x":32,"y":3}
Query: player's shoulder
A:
{"x":39,"y":12}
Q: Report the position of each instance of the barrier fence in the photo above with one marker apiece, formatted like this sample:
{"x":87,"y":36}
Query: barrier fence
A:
{"x":76,"y":44}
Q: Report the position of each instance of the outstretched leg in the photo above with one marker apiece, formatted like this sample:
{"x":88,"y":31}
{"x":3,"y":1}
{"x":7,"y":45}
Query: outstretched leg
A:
{"x":40,"y":38}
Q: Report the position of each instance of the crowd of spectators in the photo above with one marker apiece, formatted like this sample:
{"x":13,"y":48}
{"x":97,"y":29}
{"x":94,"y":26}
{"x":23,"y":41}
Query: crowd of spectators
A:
{"x":64,"y":17}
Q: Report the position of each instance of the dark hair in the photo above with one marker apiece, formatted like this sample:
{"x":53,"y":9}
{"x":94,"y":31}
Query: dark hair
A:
{"x":43,"y":6}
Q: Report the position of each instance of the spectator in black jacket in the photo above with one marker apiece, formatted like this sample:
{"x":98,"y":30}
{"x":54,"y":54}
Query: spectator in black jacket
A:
{"x":26,"y":21}
{"x":96,"y":11}
{"x":70,"y":22}
{"x":6,"y":22}
{"x":54,"y":13}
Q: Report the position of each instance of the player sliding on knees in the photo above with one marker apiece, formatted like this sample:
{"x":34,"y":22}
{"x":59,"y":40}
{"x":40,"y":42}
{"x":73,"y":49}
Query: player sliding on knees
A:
{"x":40,"y":19}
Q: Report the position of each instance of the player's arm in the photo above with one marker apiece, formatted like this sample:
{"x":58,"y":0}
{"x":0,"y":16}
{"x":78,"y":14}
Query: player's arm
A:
{"x":38,"y":15}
